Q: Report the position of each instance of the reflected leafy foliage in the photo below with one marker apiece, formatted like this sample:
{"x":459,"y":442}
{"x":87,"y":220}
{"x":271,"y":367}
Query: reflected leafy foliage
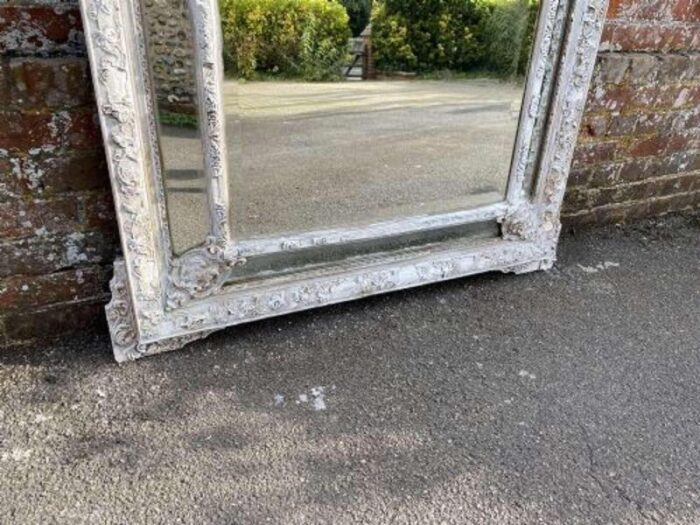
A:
{"x":308,"y":39}
{"x":455,"y":35}
{"x":359,"y":13}
{"x":289,"y":38}
{"x":425,"y":36}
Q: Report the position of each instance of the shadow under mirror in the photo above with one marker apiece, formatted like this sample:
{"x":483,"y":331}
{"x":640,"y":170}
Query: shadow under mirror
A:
{"x":170,"y":52}
{"x":344,"y":113}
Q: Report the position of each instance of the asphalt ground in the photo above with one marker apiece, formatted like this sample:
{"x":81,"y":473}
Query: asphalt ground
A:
{"x":566,"y":396}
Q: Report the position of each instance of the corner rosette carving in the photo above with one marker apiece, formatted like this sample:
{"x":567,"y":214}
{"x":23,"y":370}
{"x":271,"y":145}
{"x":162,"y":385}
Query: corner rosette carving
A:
{"x":122,"y":324}
{"x":529,"y":223}
{"x":199,"y":273}
{"x":520,"y":224}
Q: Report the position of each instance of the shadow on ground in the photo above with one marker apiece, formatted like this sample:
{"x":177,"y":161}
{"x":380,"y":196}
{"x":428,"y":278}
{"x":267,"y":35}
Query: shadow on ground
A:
{"x":567,"y":396}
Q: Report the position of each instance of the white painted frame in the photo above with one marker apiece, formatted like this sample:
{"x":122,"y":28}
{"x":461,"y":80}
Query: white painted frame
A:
{"x":161,"y":301}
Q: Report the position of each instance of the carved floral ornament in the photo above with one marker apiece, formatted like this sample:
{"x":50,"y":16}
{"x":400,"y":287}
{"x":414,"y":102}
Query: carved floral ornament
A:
{"x":161,"y":301}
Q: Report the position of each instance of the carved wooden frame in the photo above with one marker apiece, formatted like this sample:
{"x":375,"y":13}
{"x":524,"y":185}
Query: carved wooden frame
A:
{"x":161,"y":301}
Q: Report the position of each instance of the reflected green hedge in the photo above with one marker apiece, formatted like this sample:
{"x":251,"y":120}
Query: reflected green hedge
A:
{"x":507,"y":31}
{"x":456,"y":35}
{"x":425,"y":35}
{"x":290,"y":38}
{"x":359,"y":12}
{"x":308,"y":39}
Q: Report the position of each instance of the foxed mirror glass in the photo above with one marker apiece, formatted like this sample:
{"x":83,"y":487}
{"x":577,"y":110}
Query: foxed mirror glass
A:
{"x":342,"y":114}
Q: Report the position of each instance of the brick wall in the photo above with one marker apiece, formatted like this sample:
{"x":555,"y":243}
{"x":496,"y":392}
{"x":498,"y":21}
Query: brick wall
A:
{"x":638,"y":154}
{"x":57,"y":229}
{"x":639,"y":148}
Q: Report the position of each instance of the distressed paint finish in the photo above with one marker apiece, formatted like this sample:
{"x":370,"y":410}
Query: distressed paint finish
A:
{"x":190,"y":288}
{"x":116,"y":69}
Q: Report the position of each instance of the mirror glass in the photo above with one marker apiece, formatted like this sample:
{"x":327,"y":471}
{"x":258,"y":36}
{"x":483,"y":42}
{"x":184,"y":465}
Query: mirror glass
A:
{"x":344,"y":113}
{"x":170,"y":52}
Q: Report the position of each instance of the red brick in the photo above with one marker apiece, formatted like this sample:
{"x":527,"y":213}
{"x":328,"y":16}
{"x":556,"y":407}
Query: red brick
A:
{"x":22,"y":131}
{"x":617,"y":194}
{"x":683,"y":142}
{"x":83,"y":130}
{"x":686,"y":10}
{"x":5,"y":84}
{"x":99,"y":212}
{"x":29,"y":218}
{"x":40,"y":29}
{"x":10,"y":187}
{"x":680,"y":184}
{"x":634,"y":170}
{"x":27,"y":130}
{"x":606,"y":174}
{"x":630,"y":211}
{"x":661,"y":144}
{"x":590,"y":153}
{"x":23,"y":292}
{"x":37,"y":83}
{"x":650,"y":36}
{"x":673,"y":203}
{"x":44,"y":174}
{"x":687,"y":120}
{"x":53,"y":253}
{"x":651,"y":123}
{"x":55,"y":320}
{"x":616,"y":98}
{"x":617,"y":213}
{"x":579,"y":199}
{"x":637,"y":192}
{"x":571,"y":221}
{"x":679,"y":67}
{"x":691,"y":161}
{"x":593,"y":126}
{"x":634,"y":211}
{"x":646,"y":147}
{"x":621,"y":125}
{"x":611,"y":68}
{"x":607,"y":38}
{"x":579,"y":177}
{"x":637,"y":169}
{"x":614,"y":7}
{"x":640,"y":9}
{"x":687,"y":96}
{"x":645,"y":68}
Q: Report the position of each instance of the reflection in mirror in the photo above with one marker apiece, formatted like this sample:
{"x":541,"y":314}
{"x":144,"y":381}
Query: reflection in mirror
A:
{"x":342,"y":113}
{"x":170,"y":52}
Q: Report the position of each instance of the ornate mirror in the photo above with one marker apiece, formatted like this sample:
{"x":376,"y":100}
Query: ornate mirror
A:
{"x":269,"y":156}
